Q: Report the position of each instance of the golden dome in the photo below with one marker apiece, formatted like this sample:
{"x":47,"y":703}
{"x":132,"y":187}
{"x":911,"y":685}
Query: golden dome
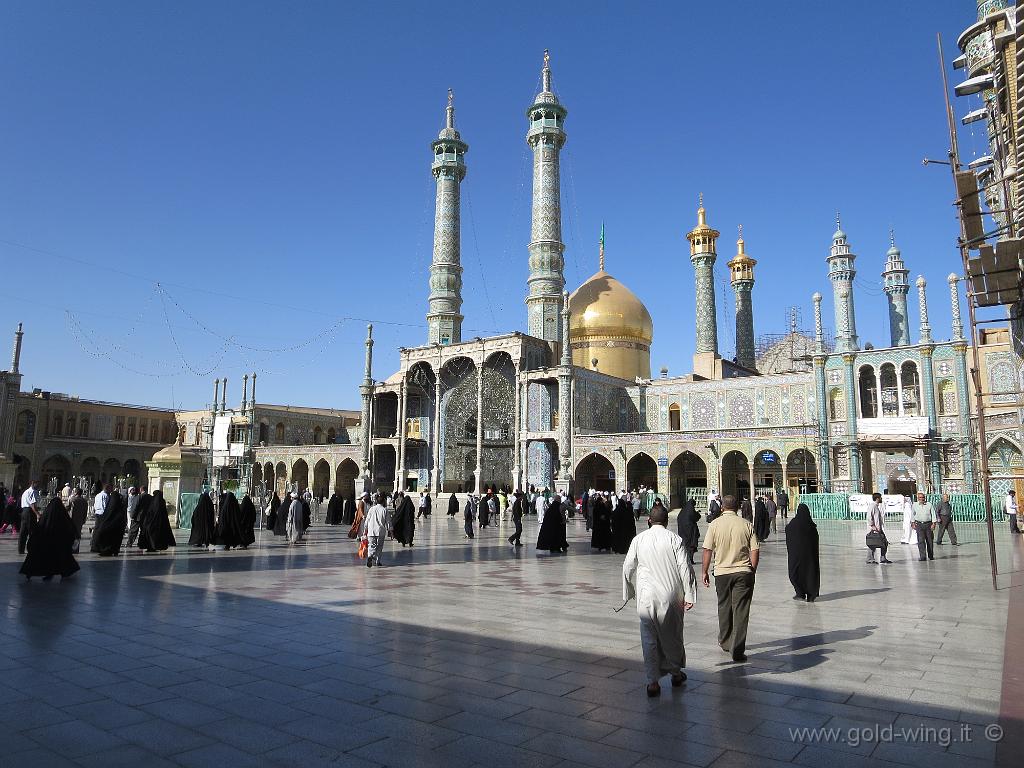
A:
{"x":603,"y":306}
{"x":609,"y":323}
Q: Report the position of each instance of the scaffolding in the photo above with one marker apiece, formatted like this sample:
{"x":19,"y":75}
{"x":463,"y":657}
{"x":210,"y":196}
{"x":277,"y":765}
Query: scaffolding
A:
{"x":789,"y":352}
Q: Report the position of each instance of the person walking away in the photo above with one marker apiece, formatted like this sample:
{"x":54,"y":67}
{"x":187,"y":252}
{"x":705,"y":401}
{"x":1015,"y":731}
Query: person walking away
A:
{"x":469,"y":515}
{"x":714,"y":506}
{"x":802,"y":548}
{"x":601,"y":525}
{"x":79,"y":512}
{"x":623,"y":527}
{"x":65,"y":495}
{"x":132,"y":505}
{"x":782,"y":502}
{"x":421,"y":505}
{"x":658,"y":574}
{"x":747,"y":511}
{"x":876,"y":521}
{"x":925,"y":522}
{"x":29,"y":514}
{"x":405,"y":522}
{"x":552,"y":531}
{"x":453,"y":506}
{"x":762,"y":526}
{"x":540,"y":504}
{"x":376,"y":527}
{"x":637,"y":503}
{"x":1011,"y":512}
{"x":356,"y":528}
{"x":49,"y":548}
{"x":108,"y":529}
{"x":493,"y":508}
{"x":945,"y":513}
{"x":773,"y":512}
{"x":517,"y":520}
{"x":296,"y":513}
{"x":686,"y":524}
{"x":731,"y":542}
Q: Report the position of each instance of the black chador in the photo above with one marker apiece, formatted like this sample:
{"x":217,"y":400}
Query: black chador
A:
{"x":229,"y":526}
{"x":155,"y":532}
{"x":601,"y":526}
{"x":453,"y":506}
{"x":109,"y":528}
{"x":762,"y":524}
{"x":687,"y":526}
{"x":49,"y":547}
{"x":623,"y":527}
{"x":275,"y":508}
{"x":348,"y":515}
{"x":552,"y":530}
{"x":248,"y":521}
{"x":203,"y":524}
{"x":802,"y":547}
{"x":280,"y":526}
{"x":333,"y":510}
{"x":405,"y":522}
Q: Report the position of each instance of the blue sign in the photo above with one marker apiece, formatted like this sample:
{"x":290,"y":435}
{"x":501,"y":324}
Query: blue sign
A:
{"x":663,"y":461}
{"x":768,"y":458}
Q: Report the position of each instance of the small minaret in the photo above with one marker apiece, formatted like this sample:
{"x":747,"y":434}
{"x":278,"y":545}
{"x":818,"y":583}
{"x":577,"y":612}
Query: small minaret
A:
{"x":841,"y":272}
{"x":546,"y":136}
{"x":922,"y":305}
{"x":16,"y":354}
{"x":702,"y":255}
{"x":954,"y":305}
{"x":366,"y":393}
{"x":741,"y":271}
{"x":819,"y":334}
{"x":896,"y":283}
{"x":444,"y":318}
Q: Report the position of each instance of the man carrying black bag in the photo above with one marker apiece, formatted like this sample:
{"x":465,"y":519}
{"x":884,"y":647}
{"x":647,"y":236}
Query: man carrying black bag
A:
{"x":876,"y":536}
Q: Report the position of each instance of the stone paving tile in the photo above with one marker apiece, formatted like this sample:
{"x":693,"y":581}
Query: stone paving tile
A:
{"x":246,"y":735}
{"x":495,"y":754}
{"x":163,"y":737}
{"x":553,"y":703}
{"x":554,"y":722}
{"x":36,"y":758}
{"x":129,"y":756}
{"x":218,"y":756}
{"x":309,"y":754}
{"x":74,"y":739}
{"x":600,"y":755}
{"x":404,"y":754}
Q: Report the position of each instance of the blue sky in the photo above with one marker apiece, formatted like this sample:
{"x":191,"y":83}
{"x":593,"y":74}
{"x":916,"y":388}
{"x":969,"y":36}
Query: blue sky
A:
{"x":268,"y":164}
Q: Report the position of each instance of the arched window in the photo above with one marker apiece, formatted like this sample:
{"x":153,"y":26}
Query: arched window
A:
{"x":470,"y":431}
{"x":69,"y":426}
{"x":673,"y":417}
{"x":264,"y":432}
{"x":890,"y":390}
{"x":279,"y":433}
{"x":318,"y":436}
{"x":836,"y":405}
{"x":910,"y":386}
{"x":947,"y":397}
{"x":332,"y":435}
{"x":868,"y":388}
{"x":83,"y":427}
{"x":58,"y":423}
{"x":25,"y":429}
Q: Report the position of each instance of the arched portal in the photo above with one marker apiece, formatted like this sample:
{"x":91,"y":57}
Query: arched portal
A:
{"x":801,"y":473}
{"x":384,"y":463}
{"x":111,"y":469}
{"x":57,"y":469}
{"x":458,"y":424}
{"x":23,"y":474}
{"x":257,"y":477}
{"x":735,"y":475}
{"x":281,"y":479}
{"x":345,"y":478}
{"x":642,"y":470}
{"x":321,"y":479}
{"x":688,"y":478}
{"x":767,"y":472}
{"x":594,"y":471}
{"x":541,"y":464}
{"x":300,"y":475}
{"x":91,"y":469}
{"x":133,"y":471}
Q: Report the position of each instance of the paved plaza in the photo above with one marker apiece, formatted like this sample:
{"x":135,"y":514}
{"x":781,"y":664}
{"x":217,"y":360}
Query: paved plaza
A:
{"x":462,"y":654}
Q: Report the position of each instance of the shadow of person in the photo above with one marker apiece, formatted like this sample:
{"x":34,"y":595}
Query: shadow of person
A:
{"x":850,"y":593}
{"x":787,"y":651}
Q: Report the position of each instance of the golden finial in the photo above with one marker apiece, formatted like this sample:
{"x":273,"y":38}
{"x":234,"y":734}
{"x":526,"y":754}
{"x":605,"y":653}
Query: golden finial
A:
{"x":450,"y":111}
{"x":600,"y":250}
{"x":701,"y":218}
{"x":547,"y":58}
{"x":739,"y":242}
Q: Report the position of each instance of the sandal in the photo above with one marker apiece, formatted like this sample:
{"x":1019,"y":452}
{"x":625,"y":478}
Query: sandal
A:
{"x":678,"y":680}
{"x":654,"y":689}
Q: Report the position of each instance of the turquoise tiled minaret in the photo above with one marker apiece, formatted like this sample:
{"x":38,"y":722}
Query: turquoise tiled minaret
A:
{"x":703,"y":254}
{"x":896,"y":283}
{"x":444,"y":317}
{"x":841,"y":272}
{"x":546,"y":281}
{"x":741,"y":273}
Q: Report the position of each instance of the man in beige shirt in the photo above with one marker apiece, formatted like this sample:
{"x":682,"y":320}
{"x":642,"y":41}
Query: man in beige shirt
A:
{"x":731,"y":540}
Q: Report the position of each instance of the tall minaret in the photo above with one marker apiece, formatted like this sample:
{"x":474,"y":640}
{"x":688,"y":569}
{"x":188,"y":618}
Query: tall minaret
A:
{"x":896,"y":282}
{"x":702,"y":255}
{"x":444,"y":318}
{"x":841,"y":272}
{"x":741,"y":270}
{"x":547,"y":281}
{"x":16,"y":354}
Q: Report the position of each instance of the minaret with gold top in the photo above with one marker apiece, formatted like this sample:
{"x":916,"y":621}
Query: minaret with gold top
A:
{"x":702,"y":255}
{"x":741,"y":274}
{"x":546,"y":282}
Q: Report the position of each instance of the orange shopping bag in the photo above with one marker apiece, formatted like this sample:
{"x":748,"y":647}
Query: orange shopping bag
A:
{"x":364,"y":546}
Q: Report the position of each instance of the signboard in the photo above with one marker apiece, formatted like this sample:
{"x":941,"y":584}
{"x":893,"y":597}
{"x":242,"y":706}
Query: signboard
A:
{"x":893,"y":428}
{"x":236,"y":450}
{"x":221,"y":426}
{"x":663,"y":461}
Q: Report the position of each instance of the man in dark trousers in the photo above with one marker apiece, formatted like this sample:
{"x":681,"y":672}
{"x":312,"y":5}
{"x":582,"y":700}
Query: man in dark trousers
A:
{"x":29,"y":515}
{"x":945,"y":513}
{"x":517,"y":520}
{"x":140,"y":511}
{"x":782,"y":502}
{"x":731,"y":541}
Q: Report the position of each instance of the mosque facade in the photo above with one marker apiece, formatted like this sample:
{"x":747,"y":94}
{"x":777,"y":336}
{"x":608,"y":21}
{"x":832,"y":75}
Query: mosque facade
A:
{"x":572,"y":404}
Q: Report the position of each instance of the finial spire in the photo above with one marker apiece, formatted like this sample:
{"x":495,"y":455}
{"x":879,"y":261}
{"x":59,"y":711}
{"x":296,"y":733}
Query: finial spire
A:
{"x":892,"y":238}
{"x":839,"y":224}
{"x":600,"y":250}
{"x":701,"y":218}
{"x":739,"y":241}
{"x":546,"y":72}
{"x":450,"y":111}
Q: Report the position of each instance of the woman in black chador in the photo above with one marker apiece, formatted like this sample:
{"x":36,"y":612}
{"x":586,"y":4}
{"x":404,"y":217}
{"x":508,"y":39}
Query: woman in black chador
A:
{"x":248,"y":522}
{"x":155,"y":532}
{"x":802,"y":546}
{"x":762,"y":524}
{"x":453,"y":506}
{"x":275,"y":508}
{"x":229,"y":527}
{"x":686,"y":524}
{"x":623,"y":527}
{"x":405,"y":521}
{"x":348,"y":514}
{"x":601,"y":525}
{"x":333,"y":510}
{"x":108,"y":530}
{"x":49,"y":547}
{"x":552,"y":530}
{"x":203,"y":524}
{"x":280,"y":526}
{"x":747,"y":511}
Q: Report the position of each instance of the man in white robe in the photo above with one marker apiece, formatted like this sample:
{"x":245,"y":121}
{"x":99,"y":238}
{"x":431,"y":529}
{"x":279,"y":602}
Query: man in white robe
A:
{"x":909,"y":534}
{"x":657,"y":572}
{"x":295,"y":520}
